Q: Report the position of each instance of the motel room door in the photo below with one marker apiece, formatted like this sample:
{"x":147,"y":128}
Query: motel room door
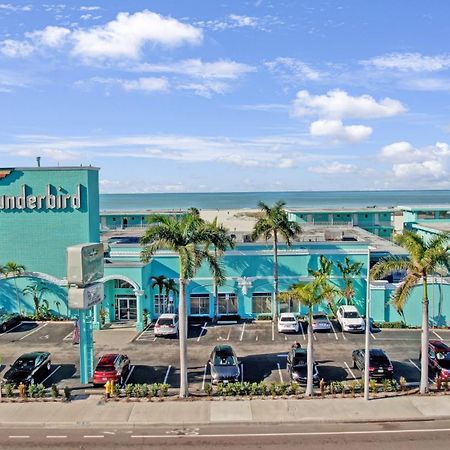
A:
{"x":126,"y":307}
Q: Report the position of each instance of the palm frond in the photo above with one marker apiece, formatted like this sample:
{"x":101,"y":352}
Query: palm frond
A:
{"x":401,"y":294}
{"x":388,"y":265}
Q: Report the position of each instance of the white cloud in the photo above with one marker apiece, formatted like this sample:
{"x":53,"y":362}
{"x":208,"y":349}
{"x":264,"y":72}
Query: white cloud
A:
{"x":14,"y":8}
{"x":244,"y":21}
{"x":89,"y":8}
{"x":337,"y":104}
{"x":414,"y":62}
{"x":236,"y":21}
{"x":339,"y":132}
{"x":51,"y":153}
{"x":50,"y":36}
{"x":15,"y":49}
{"x":404,"y":151}
{"x":333,"y":168}
{"x":144,"y":84}
{"x":126,"y":36}
{"x":430,"y":169}
{"x":293,"y":70}
{"x":222,"y":69}
{"x":427,"y":84}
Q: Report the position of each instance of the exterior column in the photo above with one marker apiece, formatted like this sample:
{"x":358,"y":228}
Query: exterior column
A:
{"x":139,"y":310}
{"x":96,"y":324}
{"x":86,"y":346}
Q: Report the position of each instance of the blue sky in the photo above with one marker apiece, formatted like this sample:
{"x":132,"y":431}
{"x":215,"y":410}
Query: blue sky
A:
{"x":257,"y":95}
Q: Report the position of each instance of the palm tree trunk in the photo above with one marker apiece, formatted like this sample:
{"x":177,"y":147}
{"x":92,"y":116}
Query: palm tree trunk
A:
{"x":275,"y":278}
{"x":310,"y":358}
{"x":184,"y":389}
{"x":424,"y":339}
{"x":17,"y":296}
{"x":215,"y":290}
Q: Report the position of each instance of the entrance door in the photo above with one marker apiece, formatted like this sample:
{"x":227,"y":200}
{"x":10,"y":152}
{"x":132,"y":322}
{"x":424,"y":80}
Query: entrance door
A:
{"x":126,"y":308}
{"x":227,"y":304}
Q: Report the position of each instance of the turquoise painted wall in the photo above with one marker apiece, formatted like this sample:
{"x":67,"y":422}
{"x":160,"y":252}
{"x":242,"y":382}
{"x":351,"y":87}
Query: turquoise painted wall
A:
{"x":38,"y":238}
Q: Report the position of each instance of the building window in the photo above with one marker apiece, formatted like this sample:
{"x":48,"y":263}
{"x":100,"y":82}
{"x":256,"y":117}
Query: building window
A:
{"x":200,"y":304}
{"x":114,"y":219}
{"x":160,"y":304}
{"x":227,"y":304}
{"x":262,"y":303}
{"x":121,"y":284}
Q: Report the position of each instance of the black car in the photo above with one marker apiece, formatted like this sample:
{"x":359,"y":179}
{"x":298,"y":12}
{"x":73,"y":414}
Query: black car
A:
{"x":298,"y":368}
{"x":380,"y":366}
{"x":30,"y":368}
{"x":224,"y":365}
{"x":8,"y":320}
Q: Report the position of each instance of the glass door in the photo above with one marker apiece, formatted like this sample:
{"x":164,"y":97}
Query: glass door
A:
{"x":227,"y":304}
{"x":126,"y":307}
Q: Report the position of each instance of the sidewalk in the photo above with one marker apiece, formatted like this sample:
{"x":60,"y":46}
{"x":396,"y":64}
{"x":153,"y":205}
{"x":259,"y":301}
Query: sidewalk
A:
{"x":93,"y":411}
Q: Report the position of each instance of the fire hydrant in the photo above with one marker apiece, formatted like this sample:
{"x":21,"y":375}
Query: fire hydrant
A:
{"x":22,"y":389}
{"x":108,"y":389}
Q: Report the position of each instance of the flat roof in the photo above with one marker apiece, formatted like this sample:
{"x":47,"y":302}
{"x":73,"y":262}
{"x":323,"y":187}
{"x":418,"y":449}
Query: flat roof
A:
{"x":363,"y":209}
{"x":425,"y":208}
{"x":141,"y":212}
{"x":433,"y":226}
{"x":45,"y":168}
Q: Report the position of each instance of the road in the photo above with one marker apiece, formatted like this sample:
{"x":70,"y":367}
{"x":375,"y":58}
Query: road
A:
{"x":398,"y":436}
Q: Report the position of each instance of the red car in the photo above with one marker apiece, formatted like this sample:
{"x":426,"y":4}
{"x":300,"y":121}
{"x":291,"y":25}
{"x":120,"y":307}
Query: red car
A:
{"x":111,"y":367}
{"x":439,"y":359}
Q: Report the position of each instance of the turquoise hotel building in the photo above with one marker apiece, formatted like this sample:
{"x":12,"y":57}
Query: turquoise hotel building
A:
{"x":43,"y":210}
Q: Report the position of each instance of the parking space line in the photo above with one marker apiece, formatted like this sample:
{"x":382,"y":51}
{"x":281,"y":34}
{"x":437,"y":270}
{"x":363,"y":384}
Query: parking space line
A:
{"x":201,"y":332}
{"x":129,"y":374}
{"x":59,"y":367}
{"x":167,"y":375}
{"x":419,"y":369}
{"x":19,"y":437}
{"x":34,"y":331}
{"x":243,"y":330}
{"x":343,"y":335}
{"x":350,"y":370}
{"x":204,"y":377}
{"x":439,"y":337}
{"x":242,"y":373}
{"x":229,"y":333}
{"x":13,"y":328}
{"x":279,"y":372}
{"x":373,"y":336}
{"x":256,"y":338}
{"x":285,"y":337}
{"x":88,"y":436}
{"x":68,"y":337}
{"x":273,"y":331}
{"x":314,"y":336}
{"x":332,"y":327}
{"x":301,"y":329}
{"x":56,"y":437}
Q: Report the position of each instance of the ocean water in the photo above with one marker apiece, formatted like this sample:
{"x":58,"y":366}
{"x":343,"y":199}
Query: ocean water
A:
{"x":237,"y":200}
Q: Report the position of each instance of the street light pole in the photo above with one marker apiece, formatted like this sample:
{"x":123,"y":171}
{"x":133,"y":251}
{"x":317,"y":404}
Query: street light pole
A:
{"x":367,"y":332}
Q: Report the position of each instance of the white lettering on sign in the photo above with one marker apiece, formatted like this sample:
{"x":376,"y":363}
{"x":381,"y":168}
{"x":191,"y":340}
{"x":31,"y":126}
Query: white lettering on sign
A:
{"x":54,"y":198}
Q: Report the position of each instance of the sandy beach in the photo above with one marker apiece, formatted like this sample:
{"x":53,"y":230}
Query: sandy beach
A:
{"x":234,"y":219}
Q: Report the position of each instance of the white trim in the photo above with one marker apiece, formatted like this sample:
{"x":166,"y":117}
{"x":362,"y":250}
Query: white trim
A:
{"x":119,"y":277}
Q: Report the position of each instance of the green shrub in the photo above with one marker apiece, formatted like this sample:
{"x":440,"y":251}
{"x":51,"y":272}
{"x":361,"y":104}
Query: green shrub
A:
{"x":55,"y":391}
{"x":390,"y":325}
{"x":163,"y":389}
{"x":264,"y":317}
{"x":293,"y":388}
{"x":389,"y":385}
{"x":154,"y":389}
{"x":372,"y":385}
{"x":137,"y":390}
{"x":67,"y":393}
{"x":336,"y":387}
{"x":129,"y":390}
{"x":32,"y":390}
{"x":144,"y":390}
{"x":9,"y":389}
{"x":40,"y":390}
{"x":116,"y":389}
{"x":208,"y":389}
{"x":220,"y":389}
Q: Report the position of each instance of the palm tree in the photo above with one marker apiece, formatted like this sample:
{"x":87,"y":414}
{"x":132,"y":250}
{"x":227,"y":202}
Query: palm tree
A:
{"x":36,"y":290}
{"x":324,"y":273}
{"x":425,"y":256}
{"x":310,"y":295}
{"x":171,"y":286}
{"x":15,"y":270}
{"x":349,"y":270}
{"x":220,"y":240}
{"x":274,"y":223}
{"x":159,"y":281}
{"x":185,"y":235}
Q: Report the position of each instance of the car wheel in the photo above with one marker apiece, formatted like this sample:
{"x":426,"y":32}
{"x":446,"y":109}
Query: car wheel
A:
{"x":354,"y":364}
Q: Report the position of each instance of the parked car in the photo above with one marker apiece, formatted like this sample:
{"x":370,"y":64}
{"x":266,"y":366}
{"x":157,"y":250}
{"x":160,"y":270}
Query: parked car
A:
{"x":288,"y":322}
{"x":439,"y":359}
{"x":297,"y":366}
{"x":380,"y":365}
{"x":8,"y":320}
{"x":224,"y":365}
{"x":30,"y":368}
{"x":167,"y":325}
{"x":350,"y":319}
{"x":111,"y":367}
{"x":320,"y":322}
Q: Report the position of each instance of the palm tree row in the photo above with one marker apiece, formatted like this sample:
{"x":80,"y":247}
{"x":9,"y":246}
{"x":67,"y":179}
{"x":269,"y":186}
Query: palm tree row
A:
{"x":12,"y":269}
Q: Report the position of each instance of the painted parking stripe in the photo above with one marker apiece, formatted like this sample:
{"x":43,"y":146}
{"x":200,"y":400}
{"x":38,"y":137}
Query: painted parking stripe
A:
{"x":201,"y":332}
{"x":332,"y":327}
{"x":418,"y":368}
{"x":11,"y":329}
{"x":242,"y":373}
{"x":49,"y":376}
{"x":439,"y":337}
{"x":303,"y":332}
{"x":167,"y":375}
{"x":19,"y":437}
{"x":273,"y":331}
{"x":242,"y":332}
{"x":34,"y":331}
{"x":56,"y":437}
{"x":229,"y":333}
{"x":279,"y":372}
{"x":204,"y":377}
{"x":129,"y":374}
{"x":68,"y":337}
{"x":350,"y":370}
{"x":93,"y":436}
{"x":373,"y":336}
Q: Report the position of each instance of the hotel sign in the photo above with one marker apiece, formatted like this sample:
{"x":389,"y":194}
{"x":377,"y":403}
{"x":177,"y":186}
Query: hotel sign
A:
{"x":87,"y":297}
{"x":54,"y":198}
{"x":84,"y":263}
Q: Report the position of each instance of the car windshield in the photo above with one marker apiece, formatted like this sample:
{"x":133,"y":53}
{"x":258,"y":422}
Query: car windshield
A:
{"x":102,"y":368}
{"x":351,"y":315}
{"x":165,"y":322}
{"x":287,"y":319}
{"x":24,"y":363}
{"x":319,"y":317}
{"x":224,"y":359}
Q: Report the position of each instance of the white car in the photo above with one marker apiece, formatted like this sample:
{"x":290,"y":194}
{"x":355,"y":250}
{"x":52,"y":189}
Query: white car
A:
{"x":167,"y":325}
{"x":287,"y":322}
{"x":350,"y":319}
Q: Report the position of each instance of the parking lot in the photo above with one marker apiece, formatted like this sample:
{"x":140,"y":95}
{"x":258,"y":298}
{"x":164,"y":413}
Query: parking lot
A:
{"x":260,"y":348}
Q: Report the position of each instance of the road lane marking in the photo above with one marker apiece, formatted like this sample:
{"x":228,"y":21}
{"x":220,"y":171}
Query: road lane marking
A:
{"x":34,"y":331}
{"x":59,"y":367}
{"x":167,"y":374}
{"x":439,"y":337}
{"x":301,"y":329}
{"x":242,"y":332}
{"x":332,"y":327}
{"x":129,"y":374}
{"x":201,"y":332}
{"x":13,"y":328}
{"x":350,"y":370}
{"x":279,"y":372}
{"x":19,"y":437}
{"x":204,"y":377}
{"x":93,"y":436}
{"x":56,"y":437}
